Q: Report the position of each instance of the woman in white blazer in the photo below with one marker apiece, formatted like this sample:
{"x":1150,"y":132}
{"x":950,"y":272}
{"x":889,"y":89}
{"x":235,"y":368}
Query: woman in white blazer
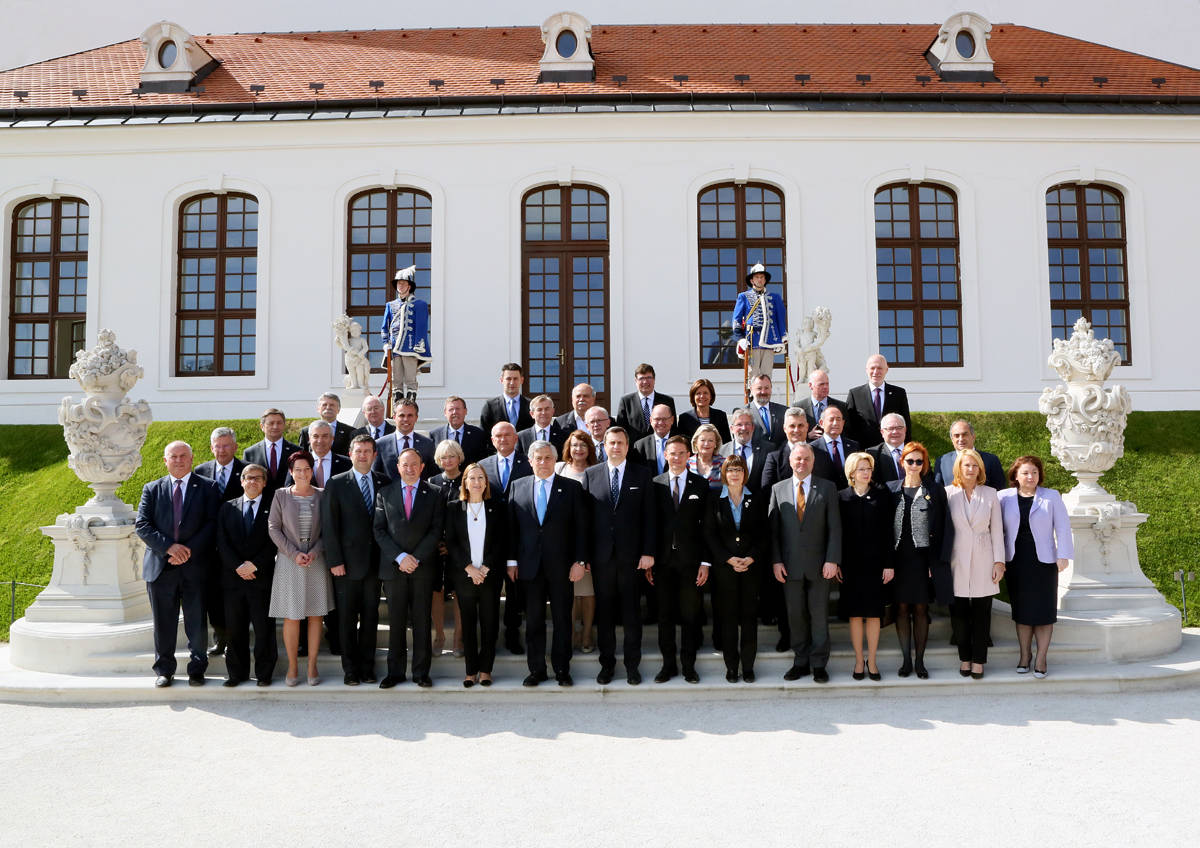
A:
{"x":976,"y":560}
{"x":1037,"y":545}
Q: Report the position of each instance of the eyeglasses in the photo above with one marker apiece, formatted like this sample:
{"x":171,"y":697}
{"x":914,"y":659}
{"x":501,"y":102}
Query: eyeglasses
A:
{"x":914,"y":462}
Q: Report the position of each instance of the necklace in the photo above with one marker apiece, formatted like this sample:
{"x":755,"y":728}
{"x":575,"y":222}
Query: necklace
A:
{"x":474,"y":512}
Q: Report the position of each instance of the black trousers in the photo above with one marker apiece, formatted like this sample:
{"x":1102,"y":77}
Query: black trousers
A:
{"x":680,"y":603}
{"x":971,"y":627}
{"x":179,"y":587}
{"x":560,"y":592}
{"x":247,"y":604}
{"x":514,"y":605}
{"x":807,"y":599}
{"x":735,"y":598}
{"x":404,"y":591}
{"x":618,"y":596}
{"x":480,"y":609}
{"x":358,"y":622}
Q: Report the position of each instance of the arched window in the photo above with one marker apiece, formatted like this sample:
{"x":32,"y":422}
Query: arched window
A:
{"x":48,"y":309}
{"x":739,"y":225}
{"x":564,"y":255}
{"x":388,"y":229}
{"x":916,"y":265}
{"x":218,"y":286}
{"x":1088,"y":272}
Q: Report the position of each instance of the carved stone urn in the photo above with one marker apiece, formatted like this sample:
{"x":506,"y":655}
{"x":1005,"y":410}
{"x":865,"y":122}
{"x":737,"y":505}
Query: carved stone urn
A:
{"x":1086,"y":420}
{"x":106,"y":430}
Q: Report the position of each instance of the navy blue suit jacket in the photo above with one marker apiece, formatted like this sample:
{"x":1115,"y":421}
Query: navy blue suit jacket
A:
{"x":156,"y":523}
{"x":992,"y":469}
{"x":475,"y":444}
{"x":387,"y":450}
{"x":257,"y":453}
{"x":491,"y":467}
{"x":233,"y":486}
{"x":552,"y":546}
{"x":628,"y":531}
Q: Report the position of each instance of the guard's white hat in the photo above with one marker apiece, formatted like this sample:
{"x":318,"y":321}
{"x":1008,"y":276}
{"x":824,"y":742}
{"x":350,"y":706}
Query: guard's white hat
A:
{"x":757,"y":268}
{"x":409,"y":273}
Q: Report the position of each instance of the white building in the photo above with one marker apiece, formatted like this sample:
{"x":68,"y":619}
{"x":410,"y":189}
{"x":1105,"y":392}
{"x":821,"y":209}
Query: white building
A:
{"x":922,"y":182}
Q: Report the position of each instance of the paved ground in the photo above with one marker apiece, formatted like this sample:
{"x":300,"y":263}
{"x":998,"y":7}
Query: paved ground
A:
{"x":1045,"y":769}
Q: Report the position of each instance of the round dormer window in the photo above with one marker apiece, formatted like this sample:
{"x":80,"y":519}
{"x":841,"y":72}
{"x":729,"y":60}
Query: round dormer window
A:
{"x":566,"y":44}
{"x":964,"y":43}
{"x":167,"y":54}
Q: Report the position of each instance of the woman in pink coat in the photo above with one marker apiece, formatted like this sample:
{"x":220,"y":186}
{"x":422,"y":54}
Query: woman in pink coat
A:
{"x":976,"y":560}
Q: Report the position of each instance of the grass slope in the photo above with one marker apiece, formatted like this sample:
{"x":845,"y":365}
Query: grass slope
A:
{"x":1158,"y":473}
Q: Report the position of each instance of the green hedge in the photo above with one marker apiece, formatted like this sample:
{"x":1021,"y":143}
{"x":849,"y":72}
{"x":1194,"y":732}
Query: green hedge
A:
{"x":1158,"y":473}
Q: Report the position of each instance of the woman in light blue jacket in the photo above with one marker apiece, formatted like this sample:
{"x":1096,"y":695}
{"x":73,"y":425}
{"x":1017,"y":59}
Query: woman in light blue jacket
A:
{"x":1038,"y":545}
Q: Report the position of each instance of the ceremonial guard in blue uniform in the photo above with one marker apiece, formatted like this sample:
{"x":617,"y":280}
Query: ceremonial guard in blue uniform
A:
{"x":758,"y":323}
{"x":405,"y":334}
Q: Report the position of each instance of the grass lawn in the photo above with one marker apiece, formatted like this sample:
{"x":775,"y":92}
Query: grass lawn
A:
{"x":1158,"y":473}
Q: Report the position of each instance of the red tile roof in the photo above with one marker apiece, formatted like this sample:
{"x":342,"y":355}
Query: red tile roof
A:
{"x":649,"y":56}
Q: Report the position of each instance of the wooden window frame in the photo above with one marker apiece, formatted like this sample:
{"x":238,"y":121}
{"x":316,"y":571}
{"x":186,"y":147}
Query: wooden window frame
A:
{"x":55,"y":319}
{"x":389,"y":248}
{"x":918,"y":304}
{"x":1086,"y":304}
{"x":742,"y":244}
{"x":219,"y":313}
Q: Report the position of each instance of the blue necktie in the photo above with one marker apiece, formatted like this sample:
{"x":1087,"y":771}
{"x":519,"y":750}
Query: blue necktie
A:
{"x":365,"y":487}
{"x":662,"y":459}
{"x":541,"y":501}
{"x":223,"y":478}
{"x":504,"y":474}
{"x":512,"y":412}
{"x":646,"y":413}
{"x":766,"y":420}
{"x":615,"y":489}
{"x":249,"y":517}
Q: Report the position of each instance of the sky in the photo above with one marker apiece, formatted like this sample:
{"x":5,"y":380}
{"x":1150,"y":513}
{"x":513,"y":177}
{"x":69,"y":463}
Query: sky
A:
{"x":35,"y":30}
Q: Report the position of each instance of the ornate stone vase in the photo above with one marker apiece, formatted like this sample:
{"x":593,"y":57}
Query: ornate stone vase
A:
{"x":106,"y":430}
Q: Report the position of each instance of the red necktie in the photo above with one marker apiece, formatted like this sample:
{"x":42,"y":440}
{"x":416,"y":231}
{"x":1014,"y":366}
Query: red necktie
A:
{"x":408,"y":501}
{"x":274,"y":461}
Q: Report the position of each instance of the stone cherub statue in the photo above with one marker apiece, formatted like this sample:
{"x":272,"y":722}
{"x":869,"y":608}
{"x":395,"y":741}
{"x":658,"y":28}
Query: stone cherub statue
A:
{"x":348,"y":336}
{"x":807,"y":341}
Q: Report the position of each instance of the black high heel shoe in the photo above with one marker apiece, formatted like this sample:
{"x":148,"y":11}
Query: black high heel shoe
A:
{"x":859,"y":675}
{"x":922,"y":673}
{"x":906,"y":669}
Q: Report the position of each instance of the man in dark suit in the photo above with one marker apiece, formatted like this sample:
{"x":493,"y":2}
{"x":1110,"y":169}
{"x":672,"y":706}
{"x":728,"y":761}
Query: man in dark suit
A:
{"x":409,"y":516}
{"x":548,"y":546}
{"x":962,"y":436}
{"x":583,"y":398}
{"x":472,"y":440}
{"x":681,"y":561}
{"x":768,"y":415}
{"x":598,"y":422}
{"x":502,"y":468}
{"x":510,"y":405}
{"x":377,"y":425}
{"x":634,"y":410}
{"x":328,"y":407}
{"x":650,"y":450}
{"x":834,"y":446}
{"x":818,"y":400}
{"x":888,"y":463}
{"x":247,"y":566}
{"x":176,"y":518}
{"x":387,"y":450}
{"x":326,"y":462}
{"x":806,"y":547}
{"x":545,"y":426}
{"x":623,"y":537}
{"x":225,"y":470}
{"x":874,"y":399}
{"x":273,"y":451}
{"x":347,"y":520}
{"x":749,"y":443}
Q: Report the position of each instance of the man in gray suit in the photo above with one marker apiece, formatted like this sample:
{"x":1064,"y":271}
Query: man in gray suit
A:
{"x":806,"y":547}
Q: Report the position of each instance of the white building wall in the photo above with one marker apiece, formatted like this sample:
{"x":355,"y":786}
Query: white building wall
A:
{"x":652,"y":167}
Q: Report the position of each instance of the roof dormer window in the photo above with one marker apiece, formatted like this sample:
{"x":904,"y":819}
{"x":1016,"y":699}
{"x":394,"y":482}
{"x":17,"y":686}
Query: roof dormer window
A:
{"x":960,"y":50}
{"x":568,"y":53}
{"x":174,"y":61}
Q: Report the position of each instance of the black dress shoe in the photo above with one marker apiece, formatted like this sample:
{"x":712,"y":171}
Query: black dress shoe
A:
{"x":748,"y":675}
{"x":633,"y":677}
{"x":964,"y":672}
{"x":217,"y":650}
{"x":486,"y":681}
{"x":163,"y":681}
{"x":605,"y":676}
{"x":468,"y":682}
{"x":564,"y":679}
{"x":796,"y":672}
{"x":976,"y":675}
{"x":424,"y":682}
{"x":195,"y":680}
{"x":230,"y":683}
{"x":874,"y":675}
{"x":264,"y":681}
{"x":689,"y":674}
{"x":664,"y":675}
{"x":820,"y":675}
{"x":534,"y":678}
{"x":731,"y":676}
{"x":351,"y":680}
{"x":921,"y":671}
{"x":906,"y":669}
{"x":390,"y":681}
